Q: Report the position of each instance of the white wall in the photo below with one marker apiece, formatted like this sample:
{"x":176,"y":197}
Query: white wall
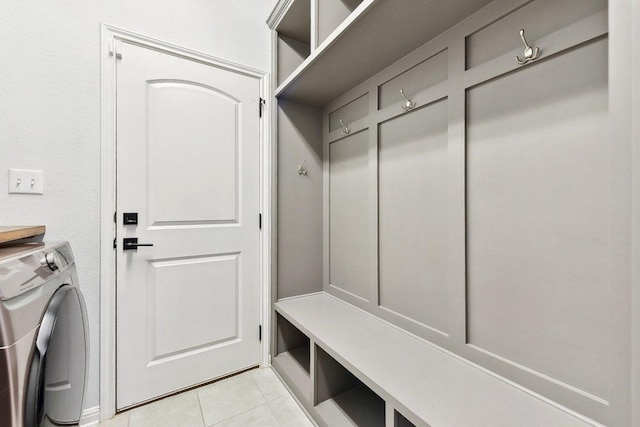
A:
{"x":50,"y":105}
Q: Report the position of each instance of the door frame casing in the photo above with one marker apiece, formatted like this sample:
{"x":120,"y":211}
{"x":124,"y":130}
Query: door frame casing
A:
{"x":110,"y":42}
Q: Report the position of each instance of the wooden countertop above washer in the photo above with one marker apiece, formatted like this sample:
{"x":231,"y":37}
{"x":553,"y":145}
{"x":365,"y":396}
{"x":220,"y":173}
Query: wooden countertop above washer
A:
{"x":9,"y":233}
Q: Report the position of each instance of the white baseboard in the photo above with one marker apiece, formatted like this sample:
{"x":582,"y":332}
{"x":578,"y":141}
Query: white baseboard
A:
{"x":90,"y":417}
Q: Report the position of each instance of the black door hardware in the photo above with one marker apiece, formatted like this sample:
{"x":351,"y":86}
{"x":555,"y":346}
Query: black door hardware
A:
{"x":130,"y":218}
{"x":131,"y":243}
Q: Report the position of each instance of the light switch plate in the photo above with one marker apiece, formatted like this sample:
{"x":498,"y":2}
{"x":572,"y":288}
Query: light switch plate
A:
{"x":22,"y":181}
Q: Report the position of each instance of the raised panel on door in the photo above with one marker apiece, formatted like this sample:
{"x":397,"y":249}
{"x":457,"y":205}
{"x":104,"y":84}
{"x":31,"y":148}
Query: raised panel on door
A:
{"x":538,"y":218}
{"x":178,"y":306}
{"x":192,"y":159}
{"x":349,"y":238}
{"x":412,"y":175}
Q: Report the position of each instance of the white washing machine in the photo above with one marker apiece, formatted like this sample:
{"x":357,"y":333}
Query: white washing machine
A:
{"x":43,"y":336}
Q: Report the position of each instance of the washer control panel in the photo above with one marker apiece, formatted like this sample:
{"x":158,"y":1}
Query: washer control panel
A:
{"x":32,"y":267}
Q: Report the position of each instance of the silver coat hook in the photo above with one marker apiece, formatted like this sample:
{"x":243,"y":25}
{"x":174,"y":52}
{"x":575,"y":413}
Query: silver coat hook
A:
{"x":408,"y":105}
{"x":302,"y":170}
{"x":346,"y":130}
{"x":530,"y":53}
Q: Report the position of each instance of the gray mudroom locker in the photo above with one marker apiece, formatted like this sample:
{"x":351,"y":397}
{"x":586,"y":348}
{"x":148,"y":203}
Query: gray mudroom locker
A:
{"x":452,"y":227}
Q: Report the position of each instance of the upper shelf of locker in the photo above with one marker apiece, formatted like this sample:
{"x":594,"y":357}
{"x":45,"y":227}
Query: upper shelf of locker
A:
{"x":351,"y":40}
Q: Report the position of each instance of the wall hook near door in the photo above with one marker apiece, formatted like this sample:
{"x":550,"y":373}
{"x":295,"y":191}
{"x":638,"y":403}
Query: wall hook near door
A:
{"x":530,"y":53}
{"x":409,"y":104}
{"x":346,"y":130}
{"x":302,"y":170}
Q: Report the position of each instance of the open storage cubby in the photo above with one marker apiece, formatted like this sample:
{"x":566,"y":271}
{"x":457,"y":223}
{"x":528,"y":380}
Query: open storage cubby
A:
{"x":294,"y":38}
{"x":341,"y":399}
{"x":400,"y":421}
{"x":293,"y":357}
{"x":331,"y":13}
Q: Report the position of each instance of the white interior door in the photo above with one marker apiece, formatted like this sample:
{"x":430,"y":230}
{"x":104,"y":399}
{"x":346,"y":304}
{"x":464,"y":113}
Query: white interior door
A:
{"x":188,"y":165}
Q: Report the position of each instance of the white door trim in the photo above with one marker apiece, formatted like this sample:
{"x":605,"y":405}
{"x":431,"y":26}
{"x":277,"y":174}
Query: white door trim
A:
{"x":111,"y":38}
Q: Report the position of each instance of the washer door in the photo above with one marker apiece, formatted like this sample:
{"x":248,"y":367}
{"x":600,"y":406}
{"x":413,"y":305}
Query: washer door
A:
{"x":57,"y":374}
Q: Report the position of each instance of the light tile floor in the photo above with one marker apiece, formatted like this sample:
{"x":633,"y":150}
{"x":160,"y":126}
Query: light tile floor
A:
{"x":254,"y":398}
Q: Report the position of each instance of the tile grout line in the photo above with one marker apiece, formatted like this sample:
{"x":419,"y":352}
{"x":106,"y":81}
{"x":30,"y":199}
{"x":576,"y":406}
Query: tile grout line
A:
{"x":287,"y":394}
{"x":204,"y":422}
{"x":267,"y":400}
{"x":268,"y":381}
{"x":274,"y":414}
{"x":280,"y":383}
{"x":259,"y":388}
{"x":243,"y":412}
{"x":238,"y":414}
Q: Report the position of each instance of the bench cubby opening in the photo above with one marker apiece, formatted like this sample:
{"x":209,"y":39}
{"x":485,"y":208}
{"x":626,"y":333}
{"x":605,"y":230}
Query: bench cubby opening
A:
{"x":293,"y":357}
{"x":341,"y":398}
{"x":400,"y":421}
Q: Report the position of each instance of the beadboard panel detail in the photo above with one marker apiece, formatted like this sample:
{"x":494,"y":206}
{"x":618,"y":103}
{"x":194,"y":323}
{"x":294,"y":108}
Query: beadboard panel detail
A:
{"x":425,"y":246}
{"x":413,"y":218}
{"x":348,"y":188}
{"x":537,"y":218}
